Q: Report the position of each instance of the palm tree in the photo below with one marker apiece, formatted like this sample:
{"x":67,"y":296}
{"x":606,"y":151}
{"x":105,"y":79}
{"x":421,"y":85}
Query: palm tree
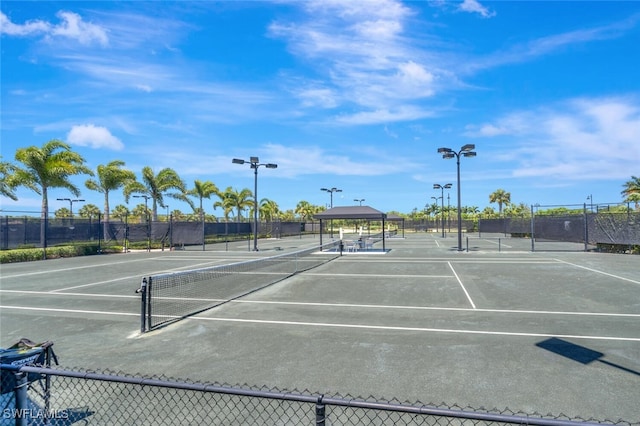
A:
{"x":110,"y":177}
{"x":155,"y":187}
{"x":268,"y":210}
{"x":202,"y":190}
{"x":120,"y":212}
{"x":501,"y":197}
{"x":632,"y":191}
{"x":89,"y":210}
{"x":7,"y":187}
{"x":62,"y":213}
{"x":305,"y":209}
{"x":140,"y":211}
{"x":232,"y":199}
{"x":50,"y":166}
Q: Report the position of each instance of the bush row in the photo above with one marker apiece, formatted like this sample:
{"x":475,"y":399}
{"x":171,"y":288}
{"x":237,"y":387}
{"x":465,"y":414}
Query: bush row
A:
{"x":31,"y":254}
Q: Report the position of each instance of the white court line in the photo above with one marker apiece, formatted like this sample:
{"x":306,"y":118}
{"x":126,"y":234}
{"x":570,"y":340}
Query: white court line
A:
{"x":69,"y":269}
{"x":420,"y":329}
{"x":341,"y":325}
{"x":71,"y":311}
{"x":496,"y":243}
{"x":342,"y":305}
{"x":524,"y":261}
{"x":437,"y":243}
{"x":462,"y":285}
{"x":139,"y":276}
{"x":49,"y":293}
{"x":338,"y":325}
{"x":365,"y":275}
{"x":599,"y":272}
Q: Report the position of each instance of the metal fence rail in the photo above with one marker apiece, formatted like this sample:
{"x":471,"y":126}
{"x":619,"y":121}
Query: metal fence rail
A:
{"x":95,"y":398}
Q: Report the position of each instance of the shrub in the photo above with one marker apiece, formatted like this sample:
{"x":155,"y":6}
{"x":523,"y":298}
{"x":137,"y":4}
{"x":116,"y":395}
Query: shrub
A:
{"x":31,"y":254}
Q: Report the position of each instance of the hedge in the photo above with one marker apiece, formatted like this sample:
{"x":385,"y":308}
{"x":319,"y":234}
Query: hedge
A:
{"x":31,"y":254}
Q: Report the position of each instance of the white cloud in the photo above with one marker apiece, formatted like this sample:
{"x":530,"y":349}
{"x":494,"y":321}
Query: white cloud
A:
{"x":405,"y":113}
{"x":72,"y":26}
{"x":318,"y":97}
{"x":94,"y":137}
{"x":28,"y":28}
{"x":361,"y":51}
{"x":574,"y":140}
{"x":289,"y":164}
{"x":474,"y":6}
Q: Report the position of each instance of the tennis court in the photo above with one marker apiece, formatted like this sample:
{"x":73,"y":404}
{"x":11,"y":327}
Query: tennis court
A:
{"x":548,"y":332}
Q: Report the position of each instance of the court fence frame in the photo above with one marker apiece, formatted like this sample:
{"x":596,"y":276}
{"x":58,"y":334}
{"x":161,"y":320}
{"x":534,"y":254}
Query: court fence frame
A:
{"x":597,"y":227}
{"x":119,"y":398}
{"x":35,"y":232}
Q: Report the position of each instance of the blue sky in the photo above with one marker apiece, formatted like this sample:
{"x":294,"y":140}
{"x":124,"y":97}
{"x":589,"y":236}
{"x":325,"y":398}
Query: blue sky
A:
{"x":357,"y":95}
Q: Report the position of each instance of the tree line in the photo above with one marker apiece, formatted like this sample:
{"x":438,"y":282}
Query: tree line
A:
{"x":54,"y":163}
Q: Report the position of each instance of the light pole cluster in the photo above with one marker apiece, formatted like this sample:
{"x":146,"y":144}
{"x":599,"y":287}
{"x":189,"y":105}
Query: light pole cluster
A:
{"x":442,"y":188}
{"x":146,"y":211}
{"x":254,"y":163}
{"x":331,"y":191}
{"x":448,"y":153}
{"x":70,"y":204}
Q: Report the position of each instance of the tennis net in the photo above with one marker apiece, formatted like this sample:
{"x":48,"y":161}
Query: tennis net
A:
{"x":169,"y":297}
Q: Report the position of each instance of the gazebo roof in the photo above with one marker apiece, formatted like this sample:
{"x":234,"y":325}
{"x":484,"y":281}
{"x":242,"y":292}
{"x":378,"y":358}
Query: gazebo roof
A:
{"x":351,"y":212}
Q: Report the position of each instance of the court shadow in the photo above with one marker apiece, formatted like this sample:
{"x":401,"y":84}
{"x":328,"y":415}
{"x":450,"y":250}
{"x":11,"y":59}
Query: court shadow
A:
{"x":579,"y":353}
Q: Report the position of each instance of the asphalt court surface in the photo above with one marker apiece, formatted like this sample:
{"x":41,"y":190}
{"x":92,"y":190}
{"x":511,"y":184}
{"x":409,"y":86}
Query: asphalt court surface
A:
{"x":422,"y":322}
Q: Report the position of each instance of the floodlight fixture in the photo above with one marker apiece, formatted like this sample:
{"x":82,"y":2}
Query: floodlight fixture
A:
{"x":254,"y":164}
{"x":447,"y":153}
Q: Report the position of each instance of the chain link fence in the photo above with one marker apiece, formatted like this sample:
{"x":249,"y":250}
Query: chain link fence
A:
{"x":38,"y":396}
{"x":611,"y":227}
{"x":34,"y":232}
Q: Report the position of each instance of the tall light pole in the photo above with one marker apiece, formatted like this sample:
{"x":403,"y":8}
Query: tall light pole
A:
{"x":436,"y":204}
{"x":70,"y":204}
{"x":358,"y":200}
{"x":331,"y":191}
{"x":447,"y":153}
{"x":146,"y":213}
{"x":254,"y":163}
{"x":442,"y":188}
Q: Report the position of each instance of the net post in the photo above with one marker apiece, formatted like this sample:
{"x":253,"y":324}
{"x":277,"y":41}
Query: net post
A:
{"x":148,"y":299}
{"x":143,"y":304}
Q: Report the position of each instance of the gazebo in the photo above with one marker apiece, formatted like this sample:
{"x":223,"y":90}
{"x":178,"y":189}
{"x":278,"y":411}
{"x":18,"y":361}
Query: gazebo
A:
{"x":352,"y":212}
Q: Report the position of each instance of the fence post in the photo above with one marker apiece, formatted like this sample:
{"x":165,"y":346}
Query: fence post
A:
{"x":533,"y":221}
{"x":586,"y":228}
{"x":320,"y":412}
{"x":22,"y":403}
